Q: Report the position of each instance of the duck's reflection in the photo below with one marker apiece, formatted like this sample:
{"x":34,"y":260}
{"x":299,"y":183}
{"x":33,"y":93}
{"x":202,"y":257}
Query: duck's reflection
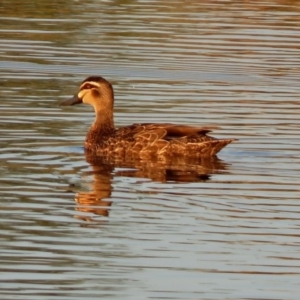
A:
{"x":97,"y":200}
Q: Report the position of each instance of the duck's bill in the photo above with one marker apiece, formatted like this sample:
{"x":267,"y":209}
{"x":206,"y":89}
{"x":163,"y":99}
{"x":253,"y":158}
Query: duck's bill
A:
{"x":74,"y":100}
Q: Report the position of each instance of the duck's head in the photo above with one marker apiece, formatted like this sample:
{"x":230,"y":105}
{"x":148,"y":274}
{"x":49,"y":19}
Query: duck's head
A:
{"x":96,"y":91}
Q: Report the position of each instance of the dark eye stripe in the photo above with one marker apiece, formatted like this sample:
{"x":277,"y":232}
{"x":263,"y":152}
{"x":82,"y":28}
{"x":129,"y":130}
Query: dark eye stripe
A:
{"x":87,"y":86}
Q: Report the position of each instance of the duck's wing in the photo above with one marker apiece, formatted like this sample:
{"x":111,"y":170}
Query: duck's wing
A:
{"x":190,"y":140}
{"x":166,"y":131}
{"x":145,"y":139}
{"x":176,"y":130}
{"x":148,"y":138}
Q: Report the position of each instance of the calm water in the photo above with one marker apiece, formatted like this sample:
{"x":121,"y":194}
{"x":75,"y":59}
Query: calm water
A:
{"x":72,"y":228}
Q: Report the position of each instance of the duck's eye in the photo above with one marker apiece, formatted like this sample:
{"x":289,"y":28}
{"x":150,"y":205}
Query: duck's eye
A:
{"x":87,"y":86}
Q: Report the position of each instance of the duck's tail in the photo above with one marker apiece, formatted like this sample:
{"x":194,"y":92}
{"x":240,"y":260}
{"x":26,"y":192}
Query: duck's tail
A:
{"x":210,"y":148}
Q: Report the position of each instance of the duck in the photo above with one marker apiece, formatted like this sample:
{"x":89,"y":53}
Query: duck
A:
{"x":144,"y":140}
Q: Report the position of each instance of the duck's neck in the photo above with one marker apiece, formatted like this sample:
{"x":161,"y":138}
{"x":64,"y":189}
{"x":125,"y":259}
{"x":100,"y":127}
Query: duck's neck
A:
{"x":102,"y":128}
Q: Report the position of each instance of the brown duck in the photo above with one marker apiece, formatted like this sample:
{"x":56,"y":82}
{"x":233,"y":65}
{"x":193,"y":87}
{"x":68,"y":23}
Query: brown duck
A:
{"x":143,"y":141}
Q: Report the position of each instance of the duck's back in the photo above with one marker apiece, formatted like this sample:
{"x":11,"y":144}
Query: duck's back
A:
{"x":159,"y":140}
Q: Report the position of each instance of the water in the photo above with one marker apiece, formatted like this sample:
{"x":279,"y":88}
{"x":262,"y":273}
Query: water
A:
{"x":72,"y":229}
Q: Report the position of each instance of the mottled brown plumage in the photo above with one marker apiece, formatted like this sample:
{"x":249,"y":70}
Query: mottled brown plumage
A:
{"x":139,"y":140}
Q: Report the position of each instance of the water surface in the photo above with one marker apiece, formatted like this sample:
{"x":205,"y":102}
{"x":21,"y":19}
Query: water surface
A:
{"x":72,"y":228}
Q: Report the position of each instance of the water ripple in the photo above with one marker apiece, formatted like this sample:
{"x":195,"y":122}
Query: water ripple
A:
{"x":72,"y":229}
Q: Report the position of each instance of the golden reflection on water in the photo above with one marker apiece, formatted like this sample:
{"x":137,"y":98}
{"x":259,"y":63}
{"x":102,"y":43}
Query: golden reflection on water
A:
{"x":97,"y":200}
